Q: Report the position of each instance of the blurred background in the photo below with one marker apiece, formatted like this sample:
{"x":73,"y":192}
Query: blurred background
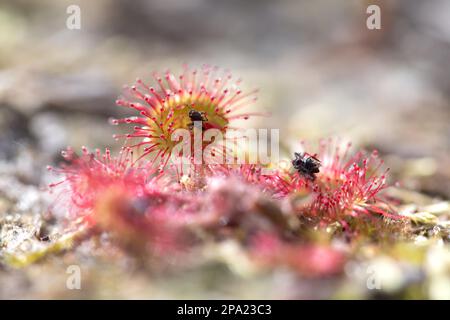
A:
{"x":321,"y":72}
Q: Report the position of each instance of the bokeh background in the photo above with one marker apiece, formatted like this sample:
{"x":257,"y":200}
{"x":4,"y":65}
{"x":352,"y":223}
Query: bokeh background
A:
{"x":320,"y":72}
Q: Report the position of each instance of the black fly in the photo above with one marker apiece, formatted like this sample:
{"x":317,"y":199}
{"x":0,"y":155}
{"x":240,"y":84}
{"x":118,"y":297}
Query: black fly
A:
{"x":307,"y":165}
{"x":195,"y":115}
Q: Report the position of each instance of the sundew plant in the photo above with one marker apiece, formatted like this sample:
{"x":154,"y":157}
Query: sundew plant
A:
{"x":157,"y":209}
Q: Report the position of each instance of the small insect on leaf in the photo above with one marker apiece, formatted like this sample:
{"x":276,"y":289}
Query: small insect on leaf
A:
{"x":306,"y":165}
{"x":195,"y":115}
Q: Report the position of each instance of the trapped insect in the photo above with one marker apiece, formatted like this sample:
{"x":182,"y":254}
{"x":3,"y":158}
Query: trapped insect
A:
{"x":195,"y":115}
{"x":307,"y":165}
